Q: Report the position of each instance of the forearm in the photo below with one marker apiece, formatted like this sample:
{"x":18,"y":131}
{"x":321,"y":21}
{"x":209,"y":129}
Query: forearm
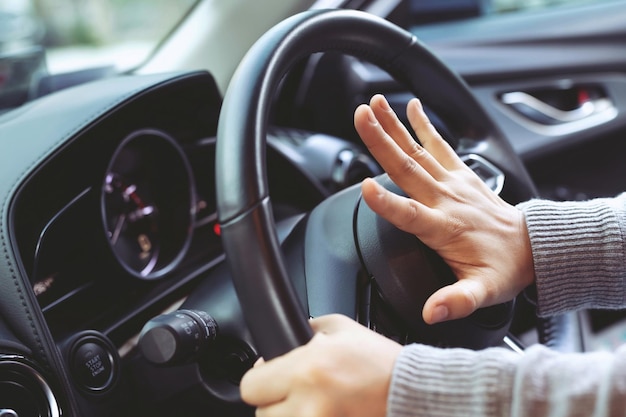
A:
{"x":435,"y":382}
{"x":579,"y":253}
{"x":497,"y":382}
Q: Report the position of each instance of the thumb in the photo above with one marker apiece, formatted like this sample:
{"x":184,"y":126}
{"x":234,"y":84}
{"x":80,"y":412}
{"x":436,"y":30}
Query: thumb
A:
{"x":454,"y":301}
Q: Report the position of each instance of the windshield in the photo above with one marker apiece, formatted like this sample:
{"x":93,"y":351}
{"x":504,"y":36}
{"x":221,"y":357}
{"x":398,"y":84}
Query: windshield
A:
{"x":41,"y":38}
{"x":80,"y":33}
{"x":434,"y":11}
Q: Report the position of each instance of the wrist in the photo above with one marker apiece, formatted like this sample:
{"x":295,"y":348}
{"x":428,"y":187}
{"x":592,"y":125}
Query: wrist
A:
{"x":527,"y":267}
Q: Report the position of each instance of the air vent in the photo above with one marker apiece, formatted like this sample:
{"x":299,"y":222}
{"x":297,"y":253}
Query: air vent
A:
{"x":23,"y":390}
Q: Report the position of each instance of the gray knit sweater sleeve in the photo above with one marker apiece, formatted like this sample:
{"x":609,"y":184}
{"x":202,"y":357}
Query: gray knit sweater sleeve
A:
{"x":579,"y":250}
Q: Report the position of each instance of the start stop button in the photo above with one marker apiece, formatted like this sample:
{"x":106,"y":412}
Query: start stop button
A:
{"x":93,"y":364}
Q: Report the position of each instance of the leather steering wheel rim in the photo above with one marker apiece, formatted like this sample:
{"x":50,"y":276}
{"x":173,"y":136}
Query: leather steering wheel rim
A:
{"x":271,"y":308}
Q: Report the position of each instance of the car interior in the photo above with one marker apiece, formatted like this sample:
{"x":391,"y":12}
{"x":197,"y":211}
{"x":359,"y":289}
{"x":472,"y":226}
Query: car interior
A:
{"x":164,"y":227}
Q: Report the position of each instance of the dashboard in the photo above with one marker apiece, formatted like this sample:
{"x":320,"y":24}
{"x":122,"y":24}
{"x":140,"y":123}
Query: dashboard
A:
{"x":118,"y":208}
{"x":115,"y":222}
{"x":112,"y":221}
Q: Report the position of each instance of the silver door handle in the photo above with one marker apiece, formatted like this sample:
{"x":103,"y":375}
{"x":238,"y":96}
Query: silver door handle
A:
{"x":542,"y":112}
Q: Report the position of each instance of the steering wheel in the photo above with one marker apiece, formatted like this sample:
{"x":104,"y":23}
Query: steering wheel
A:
{"x":340,"y":237}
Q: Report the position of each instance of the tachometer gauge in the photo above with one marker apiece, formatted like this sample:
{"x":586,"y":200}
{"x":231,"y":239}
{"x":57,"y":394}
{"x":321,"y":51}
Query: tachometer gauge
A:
{"x":148,"y":204}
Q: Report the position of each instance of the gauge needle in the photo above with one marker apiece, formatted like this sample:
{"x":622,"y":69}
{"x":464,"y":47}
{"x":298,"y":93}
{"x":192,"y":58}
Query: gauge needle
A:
{"x":118,"y":228}
{"x":140,"y":213}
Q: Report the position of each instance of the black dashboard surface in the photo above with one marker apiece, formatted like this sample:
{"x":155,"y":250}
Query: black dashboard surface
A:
{"x":110,"y":220}
{"x":68,"y":289}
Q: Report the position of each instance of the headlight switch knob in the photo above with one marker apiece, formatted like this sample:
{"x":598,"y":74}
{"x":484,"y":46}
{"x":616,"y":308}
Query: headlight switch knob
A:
{"x":177,"y":337}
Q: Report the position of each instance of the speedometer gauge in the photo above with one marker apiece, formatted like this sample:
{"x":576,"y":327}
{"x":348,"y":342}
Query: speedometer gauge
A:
{"x":133,"y":224}
{"x":147,"y":204}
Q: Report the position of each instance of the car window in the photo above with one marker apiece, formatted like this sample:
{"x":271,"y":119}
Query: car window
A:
{"x":432,"y":11}
{"x":507,"y":6}
{"x":78,"y":40}
{"x":84,"y":33}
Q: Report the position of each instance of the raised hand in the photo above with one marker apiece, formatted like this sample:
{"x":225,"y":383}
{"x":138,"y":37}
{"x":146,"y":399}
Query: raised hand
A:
{"x":481,"y":237}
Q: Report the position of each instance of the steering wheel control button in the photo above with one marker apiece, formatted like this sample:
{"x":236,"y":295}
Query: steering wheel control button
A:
{"x":177,"y":337}
{"x":92,"y":364}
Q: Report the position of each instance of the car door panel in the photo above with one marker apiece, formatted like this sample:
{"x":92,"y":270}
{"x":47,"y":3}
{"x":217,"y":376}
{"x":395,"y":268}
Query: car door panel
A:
{"x":570,"y":48}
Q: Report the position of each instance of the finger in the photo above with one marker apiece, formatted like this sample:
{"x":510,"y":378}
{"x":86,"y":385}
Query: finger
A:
{"x":331,"y":323}
{"x":404,"y":170}
{"x":254,"y":387}
{"x":406,"y":214}
{"x":455,"y":301}
{"x":294,"y":407}
{"x":429,"y":137}
{"x":397,"y":131}
{"x":380,"y":144}
{"x":281,"y":409}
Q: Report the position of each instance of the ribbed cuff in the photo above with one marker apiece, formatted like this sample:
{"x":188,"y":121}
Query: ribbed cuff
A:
{"x":436,"y":382}
{"x":579,"y":253}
